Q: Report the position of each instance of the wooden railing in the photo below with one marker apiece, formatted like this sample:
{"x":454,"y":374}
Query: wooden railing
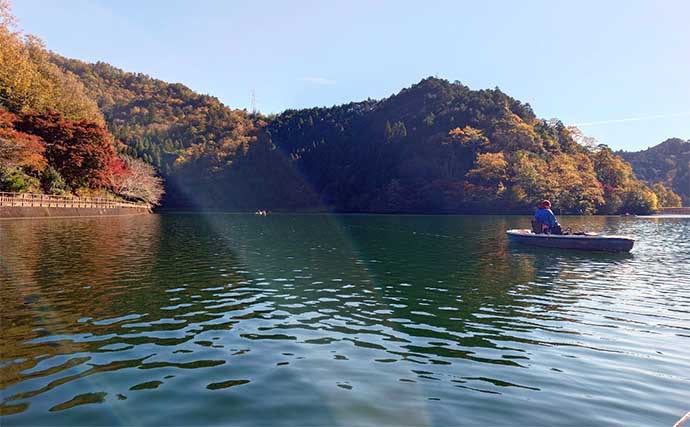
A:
{"x":50,"y":201}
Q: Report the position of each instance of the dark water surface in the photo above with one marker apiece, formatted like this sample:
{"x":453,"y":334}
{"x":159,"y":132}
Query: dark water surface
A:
{"x":339,"y":320}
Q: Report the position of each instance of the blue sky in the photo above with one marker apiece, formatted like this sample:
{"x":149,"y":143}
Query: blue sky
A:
{"x":620,"y":69}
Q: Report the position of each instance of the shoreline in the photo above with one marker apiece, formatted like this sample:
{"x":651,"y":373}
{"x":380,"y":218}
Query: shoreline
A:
{"x":34,"y":212}
{"x":28,"y":212}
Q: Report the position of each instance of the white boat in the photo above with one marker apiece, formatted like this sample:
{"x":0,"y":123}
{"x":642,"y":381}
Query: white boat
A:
{"x":584,"y":241}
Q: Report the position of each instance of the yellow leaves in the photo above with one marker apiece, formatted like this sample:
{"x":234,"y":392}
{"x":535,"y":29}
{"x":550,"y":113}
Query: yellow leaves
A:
{"x":516,"y":195}
{"x":467,"y":134}
{"x":568,"y":180}
{"x":490,"y":168}
{"x":530,"y":172}
{"x":666,"y":197}
{"x":640,"y":199}
{"x":29,"y":81}
{"x":517,"y":135}
{"x":611,"y":169}
{"x":576,"y":185}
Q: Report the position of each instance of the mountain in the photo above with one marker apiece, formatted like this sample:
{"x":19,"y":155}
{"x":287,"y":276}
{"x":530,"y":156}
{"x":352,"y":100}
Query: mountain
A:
{"x":436,"y":146}
{"x":156,"y":120}
{"x":667,"y":163}
{"x":194,"y":140}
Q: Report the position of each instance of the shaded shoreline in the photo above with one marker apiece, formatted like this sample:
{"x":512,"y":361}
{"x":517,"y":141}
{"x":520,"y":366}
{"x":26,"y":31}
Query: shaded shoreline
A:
{"x":19,"y":212}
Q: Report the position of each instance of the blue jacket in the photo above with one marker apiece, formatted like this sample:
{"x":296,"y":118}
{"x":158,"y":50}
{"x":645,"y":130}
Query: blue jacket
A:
{"x":546,"y":216}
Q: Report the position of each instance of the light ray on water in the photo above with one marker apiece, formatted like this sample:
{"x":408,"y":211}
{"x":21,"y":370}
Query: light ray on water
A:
{"x":354,"y":319}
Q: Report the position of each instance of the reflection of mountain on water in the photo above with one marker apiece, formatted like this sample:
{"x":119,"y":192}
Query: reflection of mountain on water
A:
{"x":416,"y":292}
{"x":56,"y":272}
{"x":318,"y":317}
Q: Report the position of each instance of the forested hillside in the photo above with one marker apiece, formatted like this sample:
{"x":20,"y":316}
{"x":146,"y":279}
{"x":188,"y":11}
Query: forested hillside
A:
{"x":212,"y":157}
{"x":158,"y":121}
{"x":439,"y":146}
{"x":434,"y":147}
{"x":667,"y":163}
{"x":53,"y":137}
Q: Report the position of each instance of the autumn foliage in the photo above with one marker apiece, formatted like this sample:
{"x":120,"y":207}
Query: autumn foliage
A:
{"x":434,"y":147}
{"x":29,"y":81}
{"x":19,"y":149}
{"x":53,"y":137}
{"x":79,"y":153}
{"x":666,"y":164}
{"x":80,"y":150}
{"x":437,"y":146}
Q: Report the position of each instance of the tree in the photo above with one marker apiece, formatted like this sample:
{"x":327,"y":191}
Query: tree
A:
{"x":469,"y":137}
{"x":30,"y":82}
{"x":611,"y":170}
{"x":575,"y":187}
{"x":588,"y":142}
{"x":138,"y":182}
{"x":19,"y":149}
{"x":640,"y":200}
{"x":399,"y":130}
{"x":514,"y":134}
{"x":52,"y":182}
{"x":665,"y":196}
{"x":388,"y":132}
{"x":490,"y":168}
{"x":667,"y":163}
{"x":81,"y":151}
{"x":15,"y":180}
{"x":530,"y":174}
{"x":622,"y":191}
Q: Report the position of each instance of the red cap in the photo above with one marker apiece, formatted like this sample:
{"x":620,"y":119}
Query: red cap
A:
{"x":545,"y":204}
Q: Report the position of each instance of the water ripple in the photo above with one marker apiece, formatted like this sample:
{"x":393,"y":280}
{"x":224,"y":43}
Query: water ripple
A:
{"x":217,"y":319}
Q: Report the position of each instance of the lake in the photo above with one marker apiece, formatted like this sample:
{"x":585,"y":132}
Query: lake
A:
{"x":229,"y":319}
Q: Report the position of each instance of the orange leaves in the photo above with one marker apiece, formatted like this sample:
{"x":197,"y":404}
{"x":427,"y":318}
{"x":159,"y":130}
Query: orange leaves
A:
{"x":456,"y":133}
{"x":81,"y":151}
{"x":19,"y":149}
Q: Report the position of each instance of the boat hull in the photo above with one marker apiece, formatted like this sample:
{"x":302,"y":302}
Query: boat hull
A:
{"x":579,"y":242}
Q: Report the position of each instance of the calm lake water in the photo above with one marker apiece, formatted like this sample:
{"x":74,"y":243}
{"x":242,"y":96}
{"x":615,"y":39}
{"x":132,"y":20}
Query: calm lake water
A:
{"x":230,"y":319}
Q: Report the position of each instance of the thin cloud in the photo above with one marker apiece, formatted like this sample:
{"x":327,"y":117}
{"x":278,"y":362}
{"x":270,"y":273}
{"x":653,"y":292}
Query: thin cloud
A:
{"x":319,"y":80}
{"x":634,"y":119}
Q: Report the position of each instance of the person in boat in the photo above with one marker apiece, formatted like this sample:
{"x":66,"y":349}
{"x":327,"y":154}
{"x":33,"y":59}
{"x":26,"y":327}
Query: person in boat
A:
{"x":544,"y":220}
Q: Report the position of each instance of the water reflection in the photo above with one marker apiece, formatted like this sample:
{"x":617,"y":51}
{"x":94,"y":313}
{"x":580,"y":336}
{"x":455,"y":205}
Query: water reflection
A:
{"x":327,"y":315}
{"x":55,"y":272}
